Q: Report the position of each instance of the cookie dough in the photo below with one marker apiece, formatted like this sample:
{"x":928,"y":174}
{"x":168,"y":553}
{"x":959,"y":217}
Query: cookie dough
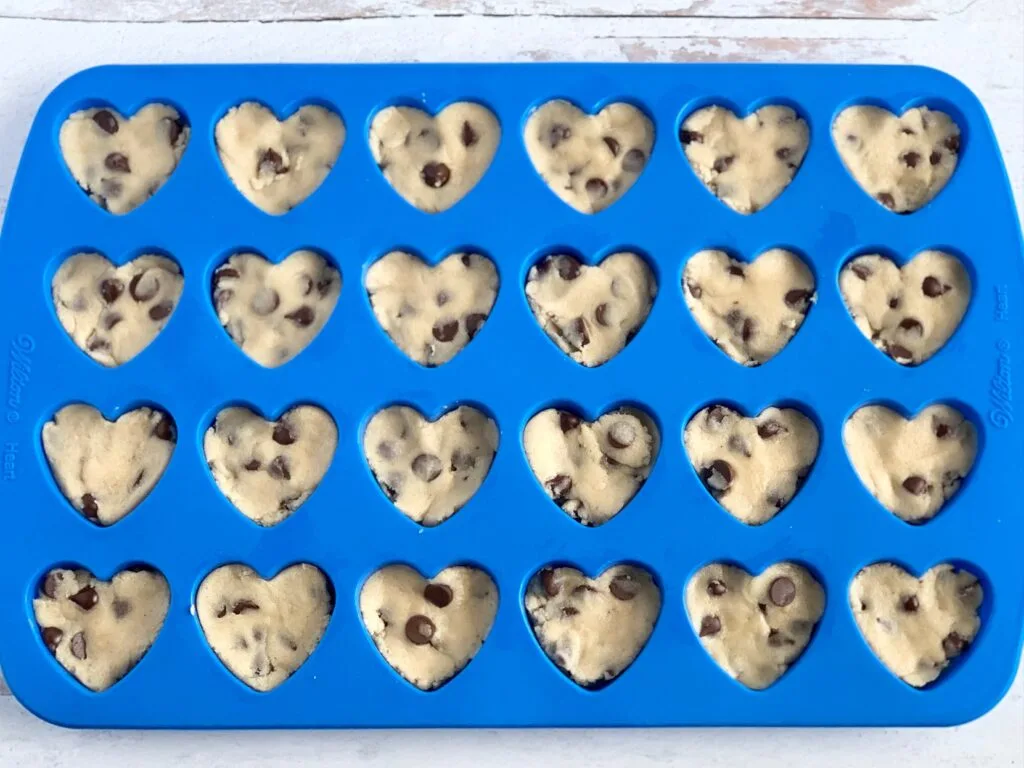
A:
{"x":750,"y":310}
{"x":912,"y":467}
{"x":754,"y":627}
{"x":902,"y":162}
{"x":428,"y":630}
{"x":113,"y":313}
{"x":430,"y":469}
{"x":908,"y":312}
{"x":751,"y":466}
{"x":589,"y":161}
{"x":745,"y":162}
{"x":591,"y":312}
{"x":273,"y":311}
{"x":268,"y":469}
{"x":106,"y":468}
{"x":278,"y":164}
{"x":434,"y":161}
{"x":262,"y":630}
{"x":121,"y":162}
{"x":591,"y":469}
{"x":431,"y":313}
{"x":99,"y":630}
{"x":592,"y":629}
{"x":916,"y":626}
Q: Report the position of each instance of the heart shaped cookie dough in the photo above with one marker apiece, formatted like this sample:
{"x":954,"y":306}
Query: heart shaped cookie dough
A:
{"x":746,"y":162}
{"x":751,"y":466}
{"x":589,"y":161}
{"x":430,"y":469}
{"x":428,"y":630}
{"x":431,"y":313}
{"x":120,"y":161}
{"x":113,"y":313}
{"x":274,"y":311}
{"x":750,"y":310}
{"x":592,"y":629}
{"x":263,"y":631}
{"x":106,"y":468}
{"x":268,"y":469}
{"x":916,"y":626}
{"x":911,"y":466}
{"x":908,"y":312}
{"x":591,"y":469}
{"x":99,"y":630}
{"x":754,"y":627}
{"x":902,"y":162}
{"x":591,"y":312}
{"x":278,"y":164}
{"x":434,"y":161}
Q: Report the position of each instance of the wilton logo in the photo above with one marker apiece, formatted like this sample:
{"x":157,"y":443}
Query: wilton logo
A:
{"x":18,"y":373}
{"x":1000,"y":389}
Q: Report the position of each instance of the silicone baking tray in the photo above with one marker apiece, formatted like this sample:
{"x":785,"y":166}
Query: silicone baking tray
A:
{"x":348,"y":528}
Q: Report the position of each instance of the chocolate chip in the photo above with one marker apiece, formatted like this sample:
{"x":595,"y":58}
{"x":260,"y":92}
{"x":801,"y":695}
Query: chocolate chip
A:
{"x":716,"y":588}
{"x":782,"y":591}
{"x":121,"y":608}
{"x":886,"y":199}
{"x":601,"y":314}
{"x":738,"y":445}
{"x":111,"y":320}
{"x":283,"y":434}
{"x":86,"y":598}
{"x":776,"y":640}
{"x":435,"y":175}
{"x":160,"y":311}
{"x":265,"y":301}
{"x":722,"y":163}
{"x":695,"y":290}
{"x":567,"y":421}
{"x":717,"y":476}
{"x":688,"y":137}
{"x":427,"y":467}
{"x":935,"y":158}
{"x":303,"y":316}
{"x":78,"y":646}
{"x":115,"y":161}
{"x":105,"y":119}
{"x":279,"y":469}
{"x":916,"y":485}
{"x":910,"y":604}
{"x":716,"y":415}
{"x":736,"y":270}
{"x":558,"y":133}
{"x":952,"y":143}
{"x":770,"y":428}
{"x":941,"y":430}
{"x":596,"y":188}
{"x":270,"y":162}
{"x":932,"y":287}
{"x":323,"y":285}
{"x":953,"y":645}
{"x":253,"y":465}
{"x":911,"y":159}
{"x":144,"y":286}
{"x":50,"y":584}
{"x":861,"y":270}
{"x":559,"y":486}
{"x":442,"y":298}
{"x":634,"y":161}
{"x":52,"y":637}
{"x":468,"y":136}
{"x":798,"y":300}
{"x":445,"y":330}
{"x":94,"y":342}
{"x":710,"y":625}
{"x":438,"y":594}
{"x":243,"y":605}
{"x":547,"y":580}
{"x":621,"y":435}
{"x":783,"y":153}
{"x":623,"y":587}
{"x":568,"y":610}
{"x":579,"y":327}
{"x":894,"y":303}
{"x":111,"y":289}
{"x":460,"y":461}
{"x":474,"y":322}
{"x":748,"y":329}
{"x":90,"y":508}
{"x":612,"y":144}
{"x":165,"y":430}
{"x":224,"y":273}
{"x":907,"y":131}
{"x":568,"y":268}
{"x":912,"y":327}
{"x":419,"y":630}
{"x":174,"y":129}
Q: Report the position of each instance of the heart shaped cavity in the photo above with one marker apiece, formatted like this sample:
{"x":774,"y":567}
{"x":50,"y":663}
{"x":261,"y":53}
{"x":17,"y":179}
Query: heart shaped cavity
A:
{"x":431,"y":313}
{"x":751,"y":466}
{"x":278,"y":164}
{"x":120,"y":161}
{"x":430,"y":469}
{"x":589,"y":161}
{"x":902,"y":162}
{"x":434,"y":161}
{"x":106,"y":468}
{"x":274,"y":311}
{"x":592,"y":629}
{"x":916,"y":626}
{"x":591,"y":312}
{"x":591,"y":469}
{"x":99,"y":630}
{"x":750,"y":310}
{"x":268,"y":469}
{"x":754,"y":627}
{"x":113,"y":313}
{"x":428,"y":630}
{"x":263,"y":631}
{"x":908,"y":312}
{"x":911,"y":466}
{"x":746,"y":162}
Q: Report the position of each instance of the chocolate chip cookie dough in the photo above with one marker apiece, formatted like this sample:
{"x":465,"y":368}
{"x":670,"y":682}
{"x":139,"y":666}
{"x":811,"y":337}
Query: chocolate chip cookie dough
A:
{"x":428,"y":630}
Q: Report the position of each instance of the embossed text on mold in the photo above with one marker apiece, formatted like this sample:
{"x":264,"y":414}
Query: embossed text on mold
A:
{"x":1000,"y":389}
{"x":19,"y":371}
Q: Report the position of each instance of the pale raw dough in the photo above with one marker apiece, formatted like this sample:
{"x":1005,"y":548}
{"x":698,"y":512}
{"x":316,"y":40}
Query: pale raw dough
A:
{"x":431,"y":313}
{"x":745,"y":162}
{"x":121,"y":162}
{"x":268,"y":469}
{"x":752,"y":466}
{"x":902,"y":162}
{"x":916,"y":626}
{"x":430,"y":469}
{"x":591,"y":469}
{"x":428,"y":630}
{"x":434,"y":161}
{"x":908,"y":312}
{"x":589,"y":161}
{"x":592,"y":629}
{"x":754,"y":627}
{"x":261,"y":630}
{"x":278,"y":164}
{"x":99,"y":630}
{"x":912,"y":467}
{"x":113,"y":313}
{"x":273,"y":311}
{"x":106,"y":468}
{"x":591,"y":312}
{"x":750,"y":310}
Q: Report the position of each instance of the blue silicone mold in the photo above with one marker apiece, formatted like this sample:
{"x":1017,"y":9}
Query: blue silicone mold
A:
{"x":348,"y":528}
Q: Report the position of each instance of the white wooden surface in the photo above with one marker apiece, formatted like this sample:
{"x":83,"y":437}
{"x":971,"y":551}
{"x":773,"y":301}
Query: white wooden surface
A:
{"x":979,"y":41}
